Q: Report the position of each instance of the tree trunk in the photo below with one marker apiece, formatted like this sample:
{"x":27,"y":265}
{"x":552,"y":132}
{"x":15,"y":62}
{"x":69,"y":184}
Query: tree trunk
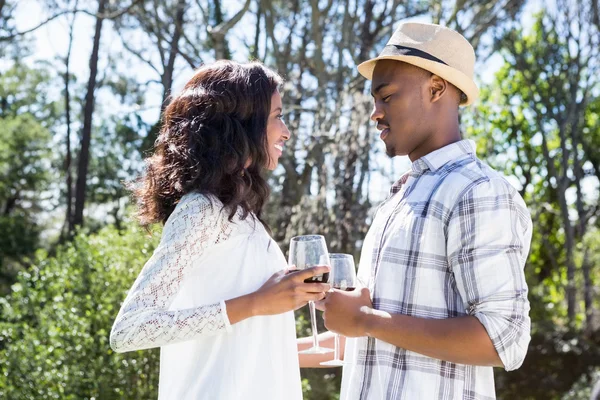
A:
{"x":218,"y":32}
{"x":569,"y":243}
{"x":10,"y":204}
{"x":254,"y":54}
{"x":84,"y":152}
{"x":588,"y":293}
{"x":596,"y":13}
{"x":69,"y":177}
{"x":167,"y":77}
{"x":218,"y":38}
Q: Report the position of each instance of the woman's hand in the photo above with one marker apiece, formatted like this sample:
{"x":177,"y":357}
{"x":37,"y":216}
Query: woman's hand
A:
{"x":286,"y":290}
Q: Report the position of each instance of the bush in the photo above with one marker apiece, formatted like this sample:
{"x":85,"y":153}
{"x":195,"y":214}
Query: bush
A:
{"x":54,"y":334}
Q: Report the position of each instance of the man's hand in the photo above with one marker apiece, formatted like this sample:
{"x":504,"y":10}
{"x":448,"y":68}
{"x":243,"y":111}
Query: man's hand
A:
{"x":345,"y":312}
{"x":462,"y":340}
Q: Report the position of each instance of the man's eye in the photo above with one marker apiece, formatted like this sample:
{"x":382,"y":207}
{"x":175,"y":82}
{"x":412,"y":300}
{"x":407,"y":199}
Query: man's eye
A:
{"x":386,"y":98}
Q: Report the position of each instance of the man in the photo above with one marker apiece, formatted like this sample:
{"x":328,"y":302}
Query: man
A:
{"x":445,"y":297}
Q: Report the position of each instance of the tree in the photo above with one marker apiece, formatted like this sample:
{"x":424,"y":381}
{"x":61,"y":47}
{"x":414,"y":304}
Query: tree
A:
{"x":68,"y":226}
{"x":547,"y":92}
{"x":54,"y":329}
{"x":324,"y":183}
{"x":117,"y":160}
{"x":25,"y":161}
{"x":86,"y":134}
{"x":474,"y":19}
{"x":161,"y":24}
{"x":179,"y":31}
{"x":539,"y":122}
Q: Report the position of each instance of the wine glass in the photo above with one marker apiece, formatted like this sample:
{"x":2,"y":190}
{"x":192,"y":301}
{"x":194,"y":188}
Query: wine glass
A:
{"x":305,"y":252}
{"x":343,"y":278}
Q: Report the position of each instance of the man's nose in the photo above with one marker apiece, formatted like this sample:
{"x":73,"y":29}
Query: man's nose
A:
{"x":376,"y":114}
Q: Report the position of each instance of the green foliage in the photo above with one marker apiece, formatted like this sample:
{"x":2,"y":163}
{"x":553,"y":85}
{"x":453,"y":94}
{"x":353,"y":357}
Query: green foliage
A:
{"x":25,"y":153}
{"x":117,"y":159}
{"x":19,"y":236}
{"x":56,"y":323}
{"x":531,"y":105}
{"x":557,"y":363}
{"x":535,"y":92}
{"x":320,"y":383}
{"x":26,"y":90}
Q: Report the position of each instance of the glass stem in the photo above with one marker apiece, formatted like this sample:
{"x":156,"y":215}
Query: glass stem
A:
{"x":336,"y":354}
{"x":313,"y":321}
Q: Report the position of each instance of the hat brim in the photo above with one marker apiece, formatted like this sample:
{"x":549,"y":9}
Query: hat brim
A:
{"x":452,"y":75}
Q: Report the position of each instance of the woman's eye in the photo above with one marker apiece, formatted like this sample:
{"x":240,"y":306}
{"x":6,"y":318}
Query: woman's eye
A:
{"x":280,"y":117}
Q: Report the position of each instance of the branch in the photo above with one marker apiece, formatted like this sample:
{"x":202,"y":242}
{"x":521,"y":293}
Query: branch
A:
{"x":453,"y":18}
{"x":270,"y":25}
{"x":320,"y":69}
{"x":10,"y":37}
{"x":115,"y":14}
{"x":124,"y":11}
{"x":202,"y":10}
{"x":191,"y":62}
{"x":193,"y":46}
{"x":596,"y":13}
{"x":288,"y":48}
{"x":225,"y":26}
{"x":138,"y":55}
{"x":74,"y":11}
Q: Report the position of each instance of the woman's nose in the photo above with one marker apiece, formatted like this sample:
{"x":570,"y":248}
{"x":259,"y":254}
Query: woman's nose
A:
{"x":286,"y":133}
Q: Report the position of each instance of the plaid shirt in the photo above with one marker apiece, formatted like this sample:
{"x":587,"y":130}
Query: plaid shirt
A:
{"x":450,"y":240}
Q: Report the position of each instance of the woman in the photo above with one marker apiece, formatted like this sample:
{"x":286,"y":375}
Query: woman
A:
{"x":214,"y":295}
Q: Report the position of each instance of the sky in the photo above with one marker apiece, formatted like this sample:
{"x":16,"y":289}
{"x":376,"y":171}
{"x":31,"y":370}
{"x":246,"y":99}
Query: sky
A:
{"x":51,"y":41}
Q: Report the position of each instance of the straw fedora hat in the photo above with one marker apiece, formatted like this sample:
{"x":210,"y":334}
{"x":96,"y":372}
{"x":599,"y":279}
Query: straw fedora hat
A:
{"x":435,"y":48}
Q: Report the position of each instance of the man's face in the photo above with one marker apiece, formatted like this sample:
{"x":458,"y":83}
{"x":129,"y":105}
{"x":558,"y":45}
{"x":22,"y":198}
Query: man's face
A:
{"x":399,"y":93}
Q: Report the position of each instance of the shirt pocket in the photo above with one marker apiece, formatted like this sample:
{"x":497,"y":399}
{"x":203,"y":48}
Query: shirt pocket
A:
{"x":413,"y":271}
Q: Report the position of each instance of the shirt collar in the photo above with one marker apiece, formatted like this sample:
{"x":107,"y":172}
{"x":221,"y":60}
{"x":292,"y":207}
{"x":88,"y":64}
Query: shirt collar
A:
{"x":438,"y":158}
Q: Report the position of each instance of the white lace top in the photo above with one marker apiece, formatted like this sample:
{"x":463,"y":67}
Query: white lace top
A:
{"x":178,"y":303}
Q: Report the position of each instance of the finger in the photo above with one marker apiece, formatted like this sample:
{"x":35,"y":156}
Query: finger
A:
{"x":276,"y":276}
{"x":290,"y":270}
{"x":361,"y":282}
{"x":364,"y":292}
{"x":302,"y":304}
{"x":313,"y":271}
{"x":315,"y":287}
{"x":320,"y":305}
{"x":315,"y":296}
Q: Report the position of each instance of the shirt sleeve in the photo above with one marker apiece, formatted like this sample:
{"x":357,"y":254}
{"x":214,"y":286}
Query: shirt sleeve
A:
{"x":144,"y":320}
{"x":489,"y":234}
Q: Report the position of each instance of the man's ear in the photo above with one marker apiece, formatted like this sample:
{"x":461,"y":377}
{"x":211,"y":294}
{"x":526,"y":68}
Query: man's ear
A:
{"x":438,"y":88}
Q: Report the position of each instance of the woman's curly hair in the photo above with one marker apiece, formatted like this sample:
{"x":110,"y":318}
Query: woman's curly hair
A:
{"x":210,"y":132}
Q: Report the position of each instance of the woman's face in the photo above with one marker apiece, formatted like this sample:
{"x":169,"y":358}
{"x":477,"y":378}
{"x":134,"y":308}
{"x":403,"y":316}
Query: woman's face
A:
{"x":277,"y":132}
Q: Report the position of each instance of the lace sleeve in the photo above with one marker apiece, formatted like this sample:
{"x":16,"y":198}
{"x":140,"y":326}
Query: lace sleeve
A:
{"x":144,"y":320}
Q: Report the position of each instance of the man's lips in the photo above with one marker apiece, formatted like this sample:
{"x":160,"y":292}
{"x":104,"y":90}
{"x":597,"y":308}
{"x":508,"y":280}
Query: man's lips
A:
{"x":384,"y":132}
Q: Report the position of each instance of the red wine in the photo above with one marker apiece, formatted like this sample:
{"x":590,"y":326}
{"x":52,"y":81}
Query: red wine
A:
{"x":318,"y":278}
{"x":349,"y":289}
